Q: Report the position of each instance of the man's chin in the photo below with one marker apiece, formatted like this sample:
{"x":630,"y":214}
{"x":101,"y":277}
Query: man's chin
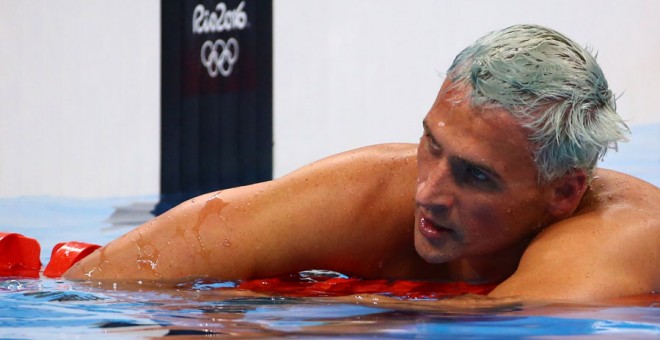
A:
{"x":431,"y":253}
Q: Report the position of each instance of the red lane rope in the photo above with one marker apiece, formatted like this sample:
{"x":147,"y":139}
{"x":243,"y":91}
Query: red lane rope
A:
{"x":295,"y":286}
{"x":65,"y":255}
{"x":19,"y":255}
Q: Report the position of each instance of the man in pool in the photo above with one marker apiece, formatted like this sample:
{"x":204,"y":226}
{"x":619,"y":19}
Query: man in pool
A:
{"x":502,"y":188}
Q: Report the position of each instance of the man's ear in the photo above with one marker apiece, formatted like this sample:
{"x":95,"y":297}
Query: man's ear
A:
{"x":566,"y":193}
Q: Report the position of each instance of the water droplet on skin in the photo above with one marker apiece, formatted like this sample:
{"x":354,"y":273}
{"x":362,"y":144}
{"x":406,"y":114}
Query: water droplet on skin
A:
{"x":226,"y":243}
{"x":212,"y":207}
{"x":192,"y":201}
{"x":89,"y":274}
{"x":441,"y":124}
{"x":180,"y":232}
{"x":214,"y":196}
{"x":610,"y":197}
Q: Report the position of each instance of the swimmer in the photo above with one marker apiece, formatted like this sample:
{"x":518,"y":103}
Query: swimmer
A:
{"x":502,"y":188}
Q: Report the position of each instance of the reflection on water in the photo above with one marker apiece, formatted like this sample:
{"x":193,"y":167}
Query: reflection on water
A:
{"x":39,"y":308}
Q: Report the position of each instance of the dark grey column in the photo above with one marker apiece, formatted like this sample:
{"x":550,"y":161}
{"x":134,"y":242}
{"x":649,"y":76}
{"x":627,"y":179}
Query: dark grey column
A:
{"x":216,"y":96}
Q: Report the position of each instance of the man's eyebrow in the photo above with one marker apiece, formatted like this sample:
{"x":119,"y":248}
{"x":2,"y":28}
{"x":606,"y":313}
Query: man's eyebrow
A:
{"x":427,"y":130}
{"x":463,"y":160}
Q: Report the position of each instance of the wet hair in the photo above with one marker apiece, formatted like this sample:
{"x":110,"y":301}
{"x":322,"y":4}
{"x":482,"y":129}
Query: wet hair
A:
{"x":552,"y":86}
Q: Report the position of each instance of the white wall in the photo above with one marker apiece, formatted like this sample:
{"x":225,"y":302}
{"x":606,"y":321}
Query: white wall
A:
{"x":79,"y":80}
{"x":79,"y":97}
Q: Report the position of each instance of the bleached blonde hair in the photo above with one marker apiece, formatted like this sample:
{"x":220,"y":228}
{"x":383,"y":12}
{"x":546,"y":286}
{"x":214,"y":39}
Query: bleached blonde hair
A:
{"x":552,"y":86}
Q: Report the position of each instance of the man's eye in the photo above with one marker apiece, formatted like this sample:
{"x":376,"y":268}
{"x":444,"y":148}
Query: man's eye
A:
{"x":432,"y":145}
{"x":478,"y":174}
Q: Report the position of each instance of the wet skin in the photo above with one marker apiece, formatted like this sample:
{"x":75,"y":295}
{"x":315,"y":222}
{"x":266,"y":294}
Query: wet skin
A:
{"x":478,"y":196}
{"x":464,"y":204}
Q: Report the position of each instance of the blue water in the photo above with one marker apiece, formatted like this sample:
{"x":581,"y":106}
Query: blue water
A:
{"x":51,"y":309}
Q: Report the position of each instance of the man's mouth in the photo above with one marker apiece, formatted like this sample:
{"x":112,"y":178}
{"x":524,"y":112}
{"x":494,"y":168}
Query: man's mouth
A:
{"x":431,"y":230}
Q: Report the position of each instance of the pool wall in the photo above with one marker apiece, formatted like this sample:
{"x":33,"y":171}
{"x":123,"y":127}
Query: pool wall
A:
{"x":80,"y":81}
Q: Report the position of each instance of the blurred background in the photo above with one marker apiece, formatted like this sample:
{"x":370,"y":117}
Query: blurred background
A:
{"x":80,"y":81}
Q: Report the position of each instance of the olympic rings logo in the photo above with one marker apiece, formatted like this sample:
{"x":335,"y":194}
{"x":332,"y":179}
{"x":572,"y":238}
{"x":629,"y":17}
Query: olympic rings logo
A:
{"x":219,"y":57}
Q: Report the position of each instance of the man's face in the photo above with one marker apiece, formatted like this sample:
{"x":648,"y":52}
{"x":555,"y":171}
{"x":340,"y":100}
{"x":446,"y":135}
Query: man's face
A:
{"x":477,"y":189}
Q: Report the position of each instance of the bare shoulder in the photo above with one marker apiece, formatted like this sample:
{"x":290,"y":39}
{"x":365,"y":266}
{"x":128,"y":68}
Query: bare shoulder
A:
{"x":613,"y":191}
{"x":399,"y":155}
{"x":608,"y":249}
{"x":376,"y":175}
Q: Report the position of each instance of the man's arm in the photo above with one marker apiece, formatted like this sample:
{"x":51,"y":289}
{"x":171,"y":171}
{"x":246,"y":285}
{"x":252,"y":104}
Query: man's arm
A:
{"x":607,"y":250}
{"x":351,"y":213}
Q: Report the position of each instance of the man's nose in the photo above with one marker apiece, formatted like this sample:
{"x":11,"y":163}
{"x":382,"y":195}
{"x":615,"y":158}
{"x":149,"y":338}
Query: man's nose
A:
{"x":436,"y":188}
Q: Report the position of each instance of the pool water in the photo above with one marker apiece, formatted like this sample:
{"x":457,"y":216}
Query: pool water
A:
{"x":52,"y":309}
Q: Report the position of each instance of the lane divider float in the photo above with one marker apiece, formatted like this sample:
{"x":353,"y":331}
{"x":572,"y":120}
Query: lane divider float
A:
{"x":20,"y":256}
{"x":65,"y":255}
